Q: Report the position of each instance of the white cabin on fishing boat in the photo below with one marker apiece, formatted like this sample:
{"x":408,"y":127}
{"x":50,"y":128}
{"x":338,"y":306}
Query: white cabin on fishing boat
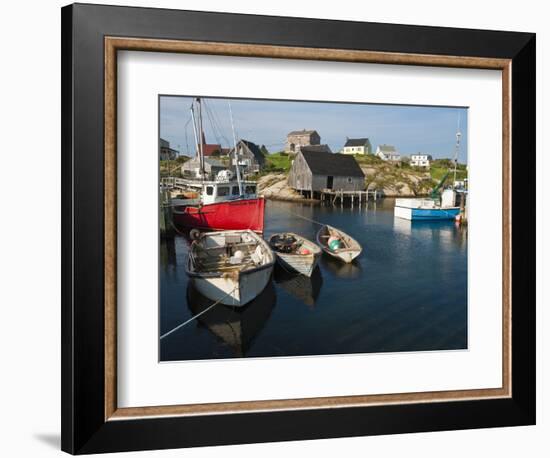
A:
{"x":213,"y":191}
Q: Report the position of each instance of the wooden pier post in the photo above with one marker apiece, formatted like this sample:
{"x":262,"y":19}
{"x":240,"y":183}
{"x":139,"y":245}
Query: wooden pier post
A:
{"x":165,"y":215}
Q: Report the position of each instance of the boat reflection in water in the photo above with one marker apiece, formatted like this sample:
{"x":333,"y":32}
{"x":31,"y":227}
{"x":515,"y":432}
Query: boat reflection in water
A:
{"x":340,"y":269}
{"x":306,"y":289}
{"x":236,"y":327}
{"x":442,"y":233}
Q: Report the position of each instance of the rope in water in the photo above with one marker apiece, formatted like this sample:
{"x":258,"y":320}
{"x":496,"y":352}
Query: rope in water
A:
{"x":306,"y":218}
{"x":166,"y":334}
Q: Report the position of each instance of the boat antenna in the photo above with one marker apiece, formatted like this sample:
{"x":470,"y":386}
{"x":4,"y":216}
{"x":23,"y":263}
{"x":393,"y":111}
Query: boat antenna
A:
{"x":237,"y":169}
{"x":457,"y":147}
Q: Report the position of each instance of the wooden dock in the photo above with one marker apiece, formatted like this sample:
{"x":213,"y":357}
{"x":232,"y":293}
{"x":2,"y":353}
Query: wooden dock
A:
{"x":178,"y":183}
{"x":335,"y":196}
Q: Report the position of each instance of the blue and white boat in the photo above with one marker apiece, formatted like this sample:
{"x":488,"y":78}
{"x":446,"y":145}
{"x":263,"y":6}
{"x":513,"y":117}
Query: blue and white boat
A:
{"x":428,"y":209}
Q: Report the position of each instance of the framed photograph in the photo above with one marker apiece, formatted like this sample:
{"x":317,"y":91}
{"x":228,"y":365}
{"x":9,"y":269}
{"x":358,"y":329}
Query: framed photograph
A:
{"x":282,"y":228}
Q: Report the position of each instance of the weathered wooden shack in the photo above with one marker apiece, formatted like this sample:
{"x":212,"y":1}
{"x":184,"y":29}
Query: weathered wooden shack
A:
{"x":317,"y":148}
{"x":314,"y":172}
{"x":251,"y":160}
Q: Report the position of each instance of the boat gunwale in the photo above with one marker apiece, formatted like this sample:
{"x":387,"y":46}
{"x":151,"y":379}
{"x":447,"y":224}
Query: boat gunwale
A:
{"x":327,"y":249}
{"x":219,"y":274}
{"x":314,"y":245}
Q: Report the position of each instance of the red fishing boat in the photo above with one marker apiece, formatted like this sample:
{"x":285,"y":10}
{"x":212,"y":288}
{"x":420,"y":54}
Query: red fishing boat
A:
{"x":221,"y":206}
{"x":224,"y":202}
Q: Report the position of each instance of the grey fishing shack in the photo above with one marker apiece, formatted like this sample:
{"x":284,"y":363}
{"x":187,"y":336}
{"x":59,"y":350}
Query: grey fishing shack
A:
{"x":316,"y":171}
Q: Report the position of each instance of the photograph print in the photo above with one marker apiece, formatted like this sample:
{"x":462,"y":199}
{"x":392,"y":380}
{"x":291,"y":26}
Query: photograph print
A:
{"x":302,"y":228}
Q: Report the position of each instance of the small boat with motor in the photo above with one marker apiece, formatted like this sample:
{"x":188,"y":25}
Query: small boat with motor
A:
{"x":440,"y":205}
{"x":338,"y":244}
{"x":295,"y":252}
{"x":428,"y":209}
{"x":232,"y":267}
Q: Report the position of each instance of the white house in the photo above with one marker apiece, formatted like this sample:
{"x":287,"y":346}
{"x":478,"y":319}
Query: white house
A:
{"x":357,"y":146}
{"x":420,"y":160}
{"x":388,"y":153}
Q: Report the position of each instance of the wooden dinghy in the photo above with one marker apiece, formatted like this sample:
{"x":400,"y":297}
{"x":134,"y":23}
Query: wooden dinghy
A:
{"x":295,"y":252}
{"x":338,"y":244}
{"x":230,"y":267}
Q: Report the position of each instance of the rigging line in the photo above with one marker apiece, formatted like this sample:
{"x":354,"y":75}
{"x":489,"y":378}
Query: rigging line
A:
{"x":213,"y":127}
{"x":185,"y":129}
{"x":220,"y":126}
{"x":166,"y":334}
{"x":215,"y":124}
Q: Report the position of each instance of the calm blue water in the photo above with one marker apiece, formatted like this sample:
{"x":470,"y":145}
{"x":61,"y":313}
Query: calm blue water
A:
{"x":406,"y":292}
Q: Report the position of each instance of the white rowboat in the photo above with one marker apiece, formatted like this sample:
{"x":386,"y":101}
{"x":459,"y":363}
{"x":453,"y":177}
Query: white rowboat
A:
{"x":349,"y":248}
{"x":231,"y":267}
{"x":295,"y":252}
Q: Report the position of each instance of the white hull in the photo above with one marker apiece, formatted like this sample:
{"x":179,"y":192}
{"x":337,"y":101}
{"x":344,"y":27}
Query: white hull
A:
{"x":216,"y":275}
{"x":293,"y":261}
{"x":303,"y":264}
{"x":234,"y":291}
{"x":403,"y":212}
{"x":348,"y":254}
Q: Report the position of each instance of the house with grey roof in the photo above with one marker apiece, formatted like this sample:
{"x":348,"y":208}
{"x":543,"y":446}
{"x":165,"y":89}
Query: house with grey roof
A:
{"x":296,"y":139}
{"x":317,"y":148}
{"x":250,"y":158}
{"x":316,"y":171}
{"x":357,"y":146}
{"x":388,"y":153}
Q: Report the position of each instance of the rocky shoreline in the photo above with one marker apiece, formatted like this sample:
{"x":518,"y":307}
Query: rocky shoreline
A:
{"x":390,"y":183}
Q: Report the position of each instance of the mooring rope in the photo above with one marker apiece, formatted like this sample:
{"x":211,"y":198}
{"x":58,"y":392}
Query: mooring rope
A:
{"x":166,"y":334}
{"x":306,"y":218}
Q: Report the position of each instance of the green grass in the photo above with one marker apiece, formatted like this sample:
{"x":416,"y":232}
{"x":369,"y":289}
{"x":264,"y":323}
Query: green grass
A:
{"x":437,"y":174}
{"x":172,"y":168}
{"x":277,"y":162}
{"x":368,"y":159}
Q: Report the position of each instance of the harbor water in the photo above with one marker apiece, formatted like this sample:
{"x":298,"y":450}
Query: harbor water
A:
{"x":406,"y":292}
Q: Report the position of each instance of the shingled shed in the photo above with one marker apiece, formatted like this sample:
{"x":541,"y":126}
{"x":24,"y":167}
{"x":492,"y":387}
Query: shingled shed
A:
{"x":315,"y":172}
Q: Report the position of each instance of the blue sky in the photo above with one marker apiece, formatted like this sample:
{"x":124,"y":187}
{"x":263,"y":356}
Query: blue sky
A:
{"x":410,"y":129}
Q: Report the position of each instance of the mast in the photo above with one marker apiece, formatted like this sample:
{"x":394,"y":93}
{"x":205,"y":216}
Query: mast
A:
{"x":457,"y":148}
{"x":197,"y":152}
{"x":201,"y":135}
{"x":235,"y":151}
